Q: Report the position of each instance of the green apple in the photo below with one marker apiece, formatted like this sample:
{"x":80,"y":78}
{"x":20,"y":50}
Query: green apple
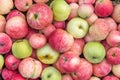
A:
{"x":94,"y":52}
{"x":1,"y":62}
{"x":77,"y":27}
{"x":21,"y":48}
{"x":50,"y":73}
{"x":61,"y":10}
{"x":47,"y":55}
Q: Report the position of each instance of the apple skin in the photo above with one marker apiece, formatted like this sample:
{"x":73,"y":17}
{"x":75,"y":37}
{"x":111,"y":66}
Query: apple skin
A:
{"x":1,"y":63}
{"x":17,"y":77}
{"x":67,"y":77}
{"x":51,"y":73}
{"x":102,"y":69}
{"x":71,"y":1}
{"x":23,"y":5}
{"x":77,"y":27}
{"x":94,"y":78}
{"x":113,"y":38}
{"x":88,"y":38}
{"x":41,"y":1}
{"x":37,"y":40}
{"x":105,"y":44}
{"x":69,"y":59}
{"x":94,"y":52}
{"x":86,"y":2}
{"x":14,"y":13}
{"x":60,"y":40}
{"x":83,"y":72}
{"x":39,"y":16}
{"x":2,"y":23}
{"x":99,"y":30}
{"x":11,"y":62}
{"x":6,"y":6}
{"x":21,"y":49}
{"x":61,"y":10}
{"x":59,"y":24}
{"x":110,"y":77}
{"x":113,"y":55}
{"x":15,"y":25}
{"x":116,"y":70}
{"x":5,"y":43}
{"x":103,"y":8}
{"x":33,"y":71}
{"x":116,"y":13}
{"x":85,"y":10}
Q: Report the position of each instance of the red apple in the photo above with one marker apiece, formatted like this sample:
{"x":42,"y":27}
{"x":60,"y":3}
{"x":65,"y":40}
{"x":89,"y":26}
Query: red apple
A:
{"x":39,"y":16}
{"x":60,"y":40}
{"x":71,"y":1}
{"x":102,"y":69}
{"x":59,"y":24}
{"x":17,"y":77}
{"x":110,"y":77}
{"x":66,"y":77}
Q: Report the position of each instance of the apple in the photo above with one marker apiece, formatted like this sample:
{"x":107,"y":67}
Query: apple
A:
{"x":118,"y":27}
{"x":51,"y":73}
{"x":59,"y":24}
{"x":37,"y":40}
{"x":85,"y":10}
{"x":6,"y":6}
{"x":116,"y":70}
{"x":15,"y":25}
{"x":88,"y":38}
{"x":69,"y":61}
{"x":23,"y":5}
{"x":61,"y":40}
{"x":39,"y":16}
{"x":21,"y":49}
{"x":77,"y":27}
{"x":71,"y":1}
{"x":61,"y":10}
{"x":113,"y":55}
{"x":11,"y":62}
{"x":110,"y":77}
{"x":5,"y":43}
{"x":41,"y":1}
{"x":2,"y":23}
{"x":66,"y":77}
{"x":84,"y":71}
{"x":116,"y":13}
{"x":17,"y":77}
{"x":30,"y":68}
{"x":14,"y":13}
{"x":99,"y":30}
{"x":94,"y":78}
{"x":94,"y":52}
{"x":73,"y":11}
{"x":102,"y":69}
{"x":86,"y":2}
{"x":103,"y":8}
{"x":105,"y":44}
{"x":47,"y":55}
{"x":113,"y":39}
{"x":1,"y":63}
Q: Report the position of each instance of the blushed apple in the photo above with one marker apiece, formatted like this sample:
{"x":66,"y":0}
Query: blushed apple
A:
{"x":1,"y":63}
{"x":67,"y":77}
{"x":6,"y":6}
{"x":94,"y":52}
{"x":94,"y":78}
{"x":71,"y":1}
{"x":61,"y":40}
{"x":116,"y":70}
{"x":2,"y":23}
{"x":77,"y":27}
{"x":86,"y":2}
{"x":59,"y":24}
{"x":5,"y":43}
{"x":110,"y":77}
{"x":39,"y":16}
{"x":17,"y":77}
{"x":106,"y":45}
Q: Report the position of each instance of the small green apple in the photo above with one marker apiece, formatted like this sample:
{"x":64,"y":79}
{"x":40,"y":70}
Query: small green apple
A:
{"x":47,"y":55}
{"x":61,"y":10}
{"x":50,"y":73}
{"x":94,"y":52}
{"x":77,"y":27}
{"x":21,"y":48}
{"x":1,"y":62}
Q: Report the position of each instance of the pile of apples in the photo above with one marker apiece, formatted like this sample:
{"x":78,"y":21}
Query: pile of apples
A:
{"x":59,"y":40}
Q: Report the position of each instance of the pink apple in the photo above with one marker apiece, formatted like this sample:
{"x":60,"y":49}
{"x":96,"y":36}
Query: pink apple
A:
{"x":37,"y":40}
{"x":116,"y":70}
{"x":113,"y":39}
{"x":86,"y":1}
{"x":71,"y":1}
{"x":5,"y":43}
{"x":66,"y":77}
{"x":13,"y":13}
{"x":16,"y":27}
{"x":60,"y":40}
{"x":11,"y":62}
{"x":103,"y":8}
{"x":2,"y":23}
{"x":59,"y":24}
{"x":84,"y":72}
{"x":41,"y":1}
{"x":116,"y":13}
{"x":110,"y":77}
{"x":6,"y":6}
{"x":113,"y":55}
{"x":39,"y":16}
{"x":73,"y":11}
{"x":69,"y":61}
{"x":48,"y":30}
{"x":105,"y":44}
{"x":17,"y":77}
{"x":77,"y":47}
{"x":102,"y":69}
